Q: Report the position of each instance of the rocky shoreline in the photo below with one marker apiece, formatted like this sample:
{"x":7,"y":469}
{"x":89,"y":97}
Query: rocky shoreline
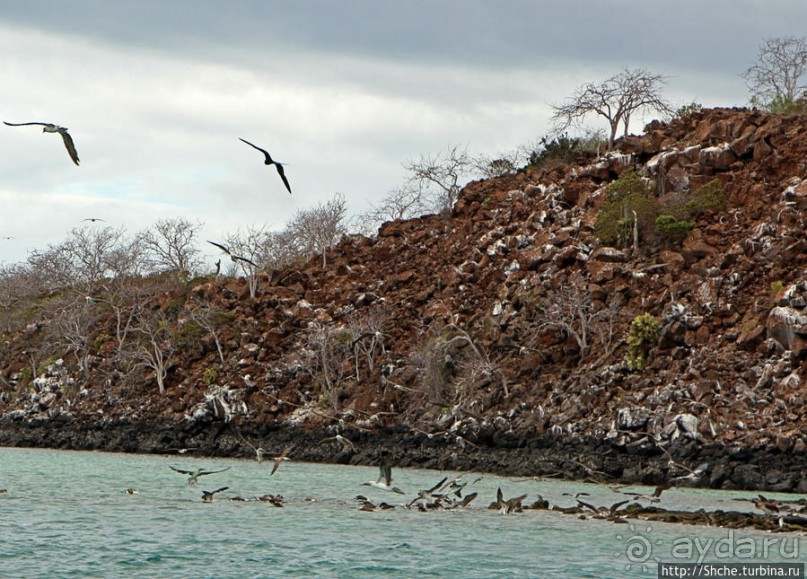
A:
{"x":598,"y":461}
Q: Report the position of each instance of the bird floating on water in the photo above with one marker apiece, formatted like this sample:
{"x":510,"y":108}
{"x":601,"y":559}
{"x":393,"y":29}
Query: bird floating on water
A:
{"x":51,"y":128}
{"x":508,"y":506}
{"x":611,"y":513}
{"x":131,"y":491}
{"x":193,"y":475}
{"x":207,"y":496}
{"x":385,"y":474}
{"x":274,"y":500}
{"x":270,"y":161}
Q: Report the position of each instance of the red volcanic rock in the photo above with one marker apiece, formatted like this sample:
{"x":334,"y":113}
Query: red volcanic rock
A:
{"x":474,"y":318}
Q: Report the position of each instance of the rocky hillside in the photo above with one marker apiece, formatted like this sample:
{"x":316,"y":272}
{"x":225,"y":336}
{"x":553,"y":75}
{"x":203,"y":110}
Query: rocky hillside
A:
{"x":500,"y":328}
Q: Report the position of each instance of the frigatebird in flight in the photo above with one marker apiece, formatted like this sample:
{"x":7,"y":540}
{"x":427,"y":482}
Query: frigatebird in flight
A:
{"x":226,"y":250}
{"x":51,"y":128}
{"x":270,"y":161}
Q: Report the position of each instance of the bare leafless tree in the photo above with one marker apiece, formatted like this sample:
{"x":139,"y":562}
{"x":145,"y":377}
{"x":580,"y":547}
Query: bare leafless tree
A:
{"x":454,"y":368}
{"x":570,"y":310}
{"x":90,"y":250}
{"x":126,"y":298}
{"x":505,"y":163}
{"x":282,"y":248}
{"x":249,"y":245}
{"x":209,"y":319}
{"x":367,"y":329}
{"x":20,"y":286}
{"x":616,"y":99}
{"x":403,"y":202}
{"x":72,"y":328}
{"x":153,"y":346}
{"x":443,"y":174}
{"x":319,"y":228}
{"x":171,"y":246}
{"x":330,"y":357}
{"x":85,"y":257}
{"x":774,"y":78}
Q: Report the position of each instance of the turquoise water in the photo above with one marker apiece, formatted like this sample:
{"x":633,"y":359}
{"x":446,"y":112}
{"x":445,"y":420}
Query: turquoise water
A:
{"x":66,"y":515}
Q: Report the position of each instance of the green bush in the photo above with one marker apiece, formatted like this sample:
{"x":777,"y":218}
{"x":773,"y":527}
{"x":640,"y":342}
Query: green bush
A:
{"x":561,"y":149}
{"x":643,"y":335}
{"x":783,"y":106}
{"x":25,"y":375}
{"x":188,"y":335}
{"x":625,"y":196}
{"x":673,"y":229}
{"x":209,"y":376}
{"x":706,"y":199}
{"x":566,"y":149}
{"x":100,"y":340}
{"x":686,"y":110}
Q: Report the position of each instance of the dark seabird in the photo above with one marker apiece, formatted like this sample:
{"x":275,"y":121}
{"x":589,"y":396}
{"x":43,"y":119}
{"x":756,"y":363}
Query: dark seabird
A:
{"x":234,"y":257}
{"x":279,"y":460}
{"x":274,"y":500}
{"x":610,"y":514}
{"x":508,"y":506}
{"x":693,"y":475}
{"x":429,"y":494}
{"x":207,"y":496}
{"x":131,"y":491}
{"x":466,"y":500}
{"x":193,"y":475}
{"x":93,"y":219}
{"x":576,"y":495}
{"x":270,"y":161}
{"x":51,"y":128}
{"x":385,"y":474}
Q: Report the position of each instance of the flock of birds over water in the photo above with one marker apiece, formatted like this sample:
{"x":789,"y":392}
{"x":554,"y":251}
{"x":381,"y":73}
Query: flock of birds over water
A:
{"x":445,"y":494}
{"x":452,"y":492}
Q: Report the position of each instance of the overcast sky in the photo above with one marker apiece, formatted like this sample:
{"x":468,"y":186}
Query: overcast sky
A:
{"x":157,"y":92}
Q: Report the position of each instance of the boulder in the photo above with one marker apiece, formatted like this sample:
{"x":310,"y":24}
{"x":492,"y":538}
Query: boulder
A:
{"x":789,"y":328}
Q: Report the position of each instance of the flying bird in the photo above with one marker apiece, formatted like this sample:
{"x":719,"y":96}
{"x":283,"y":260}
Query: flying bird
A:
{"x":270,"y":161}
{"x":234,"y":257}
{"x":51,"y":128}
{"x":93,"y":219}
{"x":259,"y":450}
{"x":193,"y":475}
{"x":344,"y":444}
{"x":279,"y":460}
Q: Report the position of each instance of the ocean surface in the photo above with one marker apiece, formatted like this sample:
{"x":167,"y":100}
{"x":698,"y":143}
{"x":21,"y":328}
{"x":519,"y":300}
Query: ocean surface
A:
{"x":66,"y":514}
